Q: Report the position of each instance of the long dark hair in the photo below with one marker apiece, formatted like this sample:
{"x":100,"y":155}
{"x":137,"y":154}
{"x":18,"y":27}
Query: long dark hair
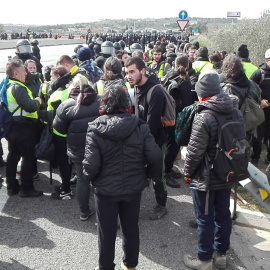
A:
{"x":114,"y":100}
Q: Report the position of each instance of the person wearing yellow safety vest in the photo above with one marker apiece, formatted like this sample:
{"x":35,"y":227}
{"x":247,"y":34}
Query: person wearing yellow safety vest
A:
{"x":72,"y":118}
{"x":159,"y":66}
{"x":243,"y":54}
{"x":148,"y":54}
{"x":201,"y":63}
{"x":60,"y":93}
{"x":21,"y":138}
{"x":112,"y":76}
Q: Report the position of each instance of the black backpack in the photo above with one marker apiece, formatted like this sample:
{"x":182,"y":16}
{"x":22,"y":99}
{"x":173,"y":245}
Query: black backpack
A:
{"x":233,"y":151}
{"x":5,"y":119}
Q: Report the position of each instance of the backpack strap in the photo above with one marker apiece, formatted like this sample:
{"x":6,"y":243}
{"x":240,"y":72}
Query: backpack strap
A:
{"x":149,"y":94}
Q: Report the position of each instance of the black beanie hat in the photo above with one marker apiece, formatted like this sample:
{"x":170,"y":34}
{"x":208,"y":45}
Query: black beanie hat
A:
{"x":208,"y":84}
{"x":243,"y":51}
{"x":84,"y":53}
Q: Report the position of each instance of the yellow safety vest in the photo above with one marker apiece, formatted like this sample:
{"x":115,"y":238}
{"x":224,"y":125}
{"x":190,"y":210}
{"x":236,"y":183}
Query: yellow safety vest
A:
{"x":100,"y":86}
{"x":249,"y":68}
{"x":199,"y":66}
{"x":57,"y":95}
{"x":12,"y":102}
{"x":161,"y":70}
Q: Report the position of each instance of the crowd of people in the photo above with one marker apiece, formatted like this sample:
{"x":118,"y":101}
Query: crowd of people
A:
{"x":102,"y":119}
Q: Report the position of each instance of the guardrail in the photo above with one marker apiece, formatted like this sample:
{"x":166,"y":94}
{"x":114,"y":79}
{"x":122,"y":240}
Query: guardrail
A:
{"x":258,"y":186}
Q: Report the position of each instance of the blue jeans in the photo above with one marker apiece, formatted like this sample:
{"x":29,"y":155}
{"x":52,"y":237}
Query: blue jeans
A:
{"x":82,"y":188}
{"x":214,"y":229}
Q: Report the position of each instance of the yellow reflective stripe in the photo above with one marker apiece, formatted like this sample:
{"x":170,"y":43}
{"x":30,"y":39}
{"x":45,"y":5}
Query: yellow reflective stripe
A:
{"x":100,"y":87}
{"x":74,"y":69}
{"x":58,"y":133}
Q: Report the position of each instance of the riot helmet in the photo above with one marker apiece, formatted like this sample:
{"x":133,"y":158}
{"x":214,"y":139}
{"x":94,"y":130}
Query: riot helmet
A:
{"x":122,"y":44}
{"x":99,"y":40}
{"x":77,"y":48}
{"x":34,"y":42}
{"x":96,"y":49}
{"x":93,"y":39}
{"x":135,"y":47}
{"x":107,"y":48}
{"x":23,"y":47}
{"x":117,"y":46}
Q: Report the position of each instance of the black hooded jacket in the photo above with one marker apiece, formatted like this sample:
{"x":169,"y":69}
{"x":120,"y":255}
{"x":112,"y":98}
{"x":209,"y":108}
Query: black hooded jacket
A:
{"x":117,"y":149}
{"x":151,"y":113}
{"x":203,"y":139}
{"x":74,"y":122}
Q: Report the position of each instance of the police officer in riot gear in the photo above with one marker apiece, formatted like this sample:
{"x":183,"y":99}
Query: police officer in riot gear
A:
{"x":107,"y":49}
{"x":24,"y":52}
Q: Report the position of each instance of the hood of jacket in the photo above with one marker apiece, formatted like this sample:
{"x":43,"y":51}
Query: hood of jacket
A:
{"x":242,"y":82}
{"x":88,"y":94}
{"x":220,"y":103}
{"x":114,"y":127}
{"x":61,"y":83}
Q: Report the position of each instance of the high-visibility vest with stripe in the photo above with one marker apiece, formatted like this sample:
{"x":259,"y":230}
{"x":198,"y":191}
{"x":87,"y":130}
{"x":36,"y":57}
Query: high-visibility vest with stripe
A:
{"x":57,"y":95}
{"x":12,"y":102}
{"x":161,"y":70}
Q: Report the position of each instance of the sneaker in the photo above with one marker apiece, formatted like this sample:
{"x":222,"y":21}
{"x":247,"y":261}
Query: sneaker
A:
{"x":193,"y":224}
{"x":30,"y":193}
{"x":170,"y":181}
{"x":36,"y":177}
{"x":62,"y":195}
{"x":84,"y":217}
{"x":124,"y":267}
{"x":220,"y":261}
{"x":73,"y":181}
{"x":158,"y":212}
{"x":196,"y":264}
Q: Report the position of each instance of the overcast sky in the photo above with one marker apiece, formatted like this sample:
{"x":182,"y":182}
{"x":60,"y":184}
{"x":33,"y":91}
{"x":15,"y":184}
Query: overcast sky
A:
{"x":63,"y":12}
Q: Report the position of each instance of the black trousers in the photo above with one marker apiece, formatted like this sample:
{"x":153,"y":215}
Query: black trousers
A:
{"x":257,"y":142}
{"x":63,"y":162}
{"x":107,"y":210}
{"x":21,"y":144}
{"x":172,"y":149}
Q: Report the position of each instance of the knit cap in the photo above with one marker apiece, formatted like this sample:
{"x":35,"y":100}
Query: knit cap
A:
{"x":208,"y":84}
{"x":84,"y":53}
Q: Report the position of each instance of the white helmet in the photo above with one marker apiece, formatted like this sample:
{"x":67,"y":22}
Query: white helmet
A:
{"x":267,"y":54}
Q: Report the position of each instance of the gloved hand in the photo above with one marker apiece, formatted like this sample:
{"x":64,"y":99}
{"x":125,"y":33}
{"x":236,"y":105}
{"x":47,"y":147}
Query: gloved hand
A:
{"x":187,"y":180}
